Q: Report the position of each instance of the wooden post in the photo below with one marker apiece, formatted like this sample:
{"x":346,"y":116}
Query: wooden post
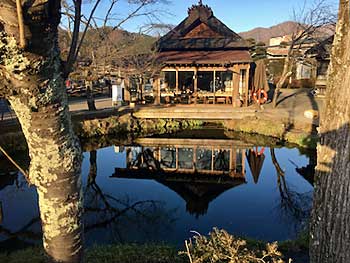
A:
{"x":234,"y":160}
{"x":231,"y":159}
{"x":158,"y":91}
{"x":243,"y":162}
{"x":235,"y":92}
{"x":214,"y":84}
{"x":194,"y":158}
{"x":195,"y":83}
{"x":177,"y":158}
{"x":177,"y":81}
{"x":195,"y":89}
{"x":247,"y":86}
{"x":212,"y":158}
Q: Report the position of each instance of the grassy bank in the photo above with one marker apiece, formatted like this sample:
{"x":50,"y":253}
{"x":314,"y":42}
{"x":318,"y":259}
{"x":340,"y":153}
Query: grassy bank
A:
{"x":218,"y":247}
{"x":105,"y":254}
{"x":303,"y":135}
{"x":128,"y":125}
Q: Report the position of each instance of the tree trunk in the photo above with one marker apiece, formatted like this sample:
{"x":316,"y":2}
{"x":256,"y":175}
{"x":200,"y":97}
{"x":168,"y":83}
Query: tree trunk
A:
{"x":32,"y":81}
{"x":285,"y":75}
{"x":90,"y":96}
{"x":330,"y":225}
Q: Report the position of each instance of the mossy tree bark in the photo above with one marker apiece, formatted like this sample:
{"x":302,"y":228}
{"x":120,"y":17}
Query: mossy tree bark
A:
{"x":31,"y":79}
{"x":330,"y":226}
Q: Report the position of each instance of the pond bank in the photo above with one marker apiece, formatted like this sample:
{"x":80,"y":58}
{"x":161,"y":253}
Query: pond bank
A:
{"x":286,"y":123}
{"x":301,"y":133}
{"x":297,"y":250}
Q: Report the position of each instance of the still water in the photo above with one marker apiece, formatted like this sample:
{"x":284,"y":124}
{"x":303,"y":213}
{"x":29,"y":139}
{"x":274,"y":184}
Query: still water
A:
{"x":164,"y":189}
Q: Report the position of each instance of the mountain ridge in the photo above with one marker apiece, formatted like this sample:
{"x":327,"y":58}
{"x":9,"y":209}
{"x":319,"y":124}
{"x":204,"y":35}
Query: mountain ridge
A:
{"x":263,"y":34}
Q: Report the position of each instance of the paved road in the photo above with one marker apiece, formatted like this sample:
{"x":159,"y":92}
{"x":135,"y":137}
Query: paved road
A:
{"x":81,"y":104}
{"x":74,"y":105}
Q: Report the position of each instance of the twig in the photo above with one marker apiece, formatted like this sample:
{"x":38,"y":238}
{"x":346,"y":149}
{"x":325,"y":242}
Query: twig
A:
{"x":15,"y":164}
{"x":22,"y":39}
{"x":188,"y":252}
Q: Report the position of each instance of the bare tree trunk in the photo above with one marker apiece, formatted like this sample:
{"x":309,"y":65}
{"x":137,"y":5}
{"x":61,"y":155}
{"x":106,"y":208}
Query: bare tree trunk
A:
{"x":287,"y":72}
{"x":32,"y":81}
{"x":90,"y":96}
{"x":330,"y":226}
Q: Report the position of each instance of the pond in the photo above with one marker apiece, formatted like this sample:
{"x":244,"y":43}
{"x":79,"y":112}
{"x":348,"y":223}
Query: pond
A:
{"x":165,"y":189}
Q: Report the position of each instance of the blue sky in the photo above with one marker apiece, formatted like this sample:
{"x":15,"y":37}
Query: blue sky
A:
{"x":238,"y":15}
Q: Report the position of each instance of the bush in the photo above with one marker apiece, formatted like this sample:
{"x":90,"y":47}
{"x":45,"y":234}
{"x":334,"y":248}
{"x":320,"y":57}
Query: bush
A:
{"x":221,"y":247}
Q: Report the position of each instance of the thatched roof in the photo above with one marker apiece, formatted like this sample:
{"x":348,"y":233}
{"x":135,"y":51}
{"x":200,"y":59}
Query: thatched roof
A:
{"x":198,"y":190}
{"x":201,"y":30}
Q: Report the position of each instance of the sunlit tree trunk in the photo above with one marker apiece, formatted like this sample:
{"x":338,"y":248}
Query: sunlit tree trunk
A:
{"x":31,"y":79}
{"x":90,"y":97}
{"x":287,"y":72}
{"x":330,"y":226}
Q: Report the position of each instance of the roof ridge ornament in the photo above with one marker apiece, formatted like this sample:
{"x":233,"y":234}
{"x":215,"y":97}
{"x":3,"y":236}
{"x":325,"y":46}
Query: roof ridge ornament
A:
{"x":201,"y":9}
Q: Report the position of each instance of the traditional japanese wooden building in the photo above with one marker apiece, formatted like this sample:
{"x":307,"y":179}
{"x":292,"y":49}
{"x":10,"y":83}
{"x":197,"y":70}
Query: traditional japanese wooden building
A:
{"x":202,"y":57}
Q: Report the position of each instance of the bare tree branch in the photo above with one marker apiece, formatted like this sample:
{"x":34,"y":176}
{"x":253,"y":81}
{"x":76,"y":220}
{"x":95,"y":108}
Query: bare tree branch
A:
{"x":75,"y":36}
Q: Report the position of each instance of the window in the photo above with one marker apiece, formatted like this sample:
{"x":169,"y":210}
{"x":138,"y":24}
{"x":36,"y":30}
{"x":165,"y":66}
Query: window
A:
{"x":205,"y":80}
{"x":223,"y":81}
{"x":169,"y":81}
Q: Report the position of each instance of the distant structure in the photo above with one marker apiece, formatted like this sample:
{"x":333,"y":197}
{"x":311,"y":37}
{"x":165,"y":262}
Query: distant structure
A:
{"x":321,"y":56}
{"x":276,"y":41}
{"x":204,"y":59}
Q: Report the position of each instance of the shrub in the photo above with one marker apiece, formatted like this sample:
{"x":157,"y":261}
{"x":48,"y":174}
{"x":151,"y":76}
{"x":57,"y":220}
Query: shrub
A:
{"x":221,"y":247}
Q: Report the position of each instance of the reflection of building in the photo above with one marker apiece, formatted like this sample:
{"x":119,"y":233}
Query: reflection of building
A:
{"x":205,"y":59}
{"x":197,"y":170}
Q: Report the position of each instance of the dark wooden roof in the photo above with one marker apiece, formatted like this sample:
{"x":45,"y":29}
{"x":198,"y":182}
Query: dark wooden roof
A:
{"x":201,"y":30}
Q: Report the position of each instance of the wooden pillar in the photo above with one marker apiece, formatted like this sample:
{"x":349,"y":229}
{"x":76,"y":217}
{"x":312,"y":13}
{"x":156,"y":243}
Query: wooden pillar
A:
{"x":177,"y":81}
{"x":247,"y":86}
{"x":235,"y":91}
{"x":234,"y":160}
{"x":214,"y":84}
{"x":232,"y":85}
{"x":195,"y":83}
{"x":212,"y":159}
{"x":243,"y":162}
{"x":231,"y":159}
{"x":177,"y":158}
{"x":194,"y":159}
{"x":157,"y":99}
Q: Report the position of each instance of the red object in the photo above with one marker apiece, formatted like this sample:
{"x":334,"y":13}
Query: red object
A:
{"x":258,"y":98}
{"x":257,"y":152}
{"x":68,"y":83}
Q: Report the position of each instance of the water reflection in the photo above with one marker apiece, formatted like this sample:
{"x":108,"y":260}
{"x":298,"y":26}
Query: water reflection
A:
{"x":15,"y":229}
{"x":159,"y":189}
{"x":293,"y":206}
{"x":198,"y":172}
{"x":120,"y":215}
{"x":256,"y":159}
